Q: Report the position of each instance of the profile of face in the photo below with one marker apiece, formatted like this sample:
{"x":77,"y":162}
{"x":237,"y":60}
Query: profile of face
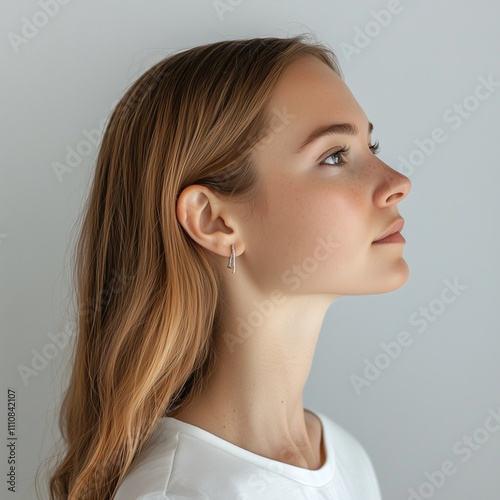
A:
{"x":320,"y":209}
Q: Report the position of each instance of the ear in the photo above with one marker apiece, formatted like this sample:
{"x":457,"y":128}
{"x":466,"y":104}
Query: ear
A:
{"x":207,"y":219}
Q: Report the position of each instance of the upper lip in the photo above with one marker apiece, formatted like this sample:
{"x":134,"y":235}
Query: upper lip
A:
{"x":395,"y":227}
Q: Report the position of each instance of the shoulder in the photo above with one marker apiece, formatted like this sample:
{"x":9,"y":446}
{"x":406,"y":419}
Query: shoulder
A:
{"x":346,"y":446}
{"x":172,"y":465}
{"x":349,"y":456}
{"x":148,"y":476}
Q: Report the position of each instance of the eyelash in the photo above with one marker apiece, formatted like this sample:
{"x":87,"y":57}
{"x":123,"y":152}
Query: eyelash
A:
{"x":375,"y":149}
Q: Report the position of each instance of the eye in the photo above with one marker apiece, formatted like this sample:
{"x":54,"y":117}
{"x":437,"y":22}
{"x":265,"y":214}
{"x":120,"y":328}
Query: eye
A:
{"x":340,"y":155}
{"x":375,"y":148}
{"x":336,"y":155}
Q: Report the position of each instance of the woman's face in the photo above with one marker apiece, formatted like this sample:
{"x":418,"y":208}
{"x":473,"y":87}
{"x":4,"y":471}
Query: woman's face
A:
{"x":314,"y":227}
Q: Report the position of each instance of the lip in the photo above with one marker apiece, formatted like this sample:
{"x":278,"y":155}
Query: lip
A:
{"x":393,"y":229}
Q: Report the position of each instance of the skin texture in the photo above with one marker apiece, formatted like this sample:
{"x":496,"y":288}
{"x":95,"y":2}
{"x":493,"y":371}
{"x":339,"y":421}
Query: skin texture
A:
{"x":254,"y":398}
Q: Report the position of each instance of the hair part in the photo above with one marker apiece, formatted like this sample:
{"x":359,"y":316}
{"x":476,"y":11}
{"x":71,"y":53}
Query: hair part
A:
{"x":145,"y":350}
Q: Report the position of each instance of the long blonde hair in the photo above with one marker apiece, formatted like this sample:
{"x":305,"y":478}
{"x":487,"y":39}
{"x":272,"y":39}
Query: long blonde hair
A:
{"x":192,"y":118}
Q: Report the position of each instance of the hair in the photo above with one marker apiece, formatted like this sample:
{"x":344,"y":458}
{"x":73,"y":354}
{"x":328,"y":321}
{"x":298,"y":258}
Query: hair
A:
{"x":192,"y":118}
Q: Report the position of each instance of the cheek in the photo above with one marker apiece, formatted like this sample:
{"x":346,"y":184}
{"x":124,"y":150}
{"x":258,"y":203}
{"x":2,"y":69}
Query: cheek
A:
{"x":342,"y":213}
{"x":300,"y":218}
{"x":283,"y":237}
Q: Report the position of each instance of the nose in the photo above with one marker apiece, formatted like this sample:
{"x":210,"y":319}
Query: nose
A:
{"x":391,"y":188}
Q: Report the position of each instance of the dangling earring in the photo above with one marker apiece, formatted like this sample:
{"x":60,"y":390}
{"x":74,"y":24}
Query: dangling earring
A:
{"x":232,"y":259}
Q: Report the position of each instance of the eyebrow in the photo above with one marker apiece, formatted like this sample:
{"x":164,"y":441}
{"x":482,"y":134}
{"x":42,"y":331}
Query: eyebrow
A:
{"x":332,"y":129}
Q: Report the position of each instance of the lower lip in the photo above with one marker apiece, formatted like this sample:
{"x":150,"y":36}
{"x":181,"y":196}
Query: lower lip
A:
{"x":392,"y":238}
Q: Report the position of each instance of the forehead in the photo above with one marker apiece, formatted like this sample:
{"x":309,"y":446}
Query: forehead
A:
{"x":310,"y":94}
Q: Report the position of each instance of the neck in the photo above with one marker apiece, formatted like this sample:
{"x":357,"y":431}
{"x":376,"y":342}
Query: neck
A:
{"x":253,"y":398}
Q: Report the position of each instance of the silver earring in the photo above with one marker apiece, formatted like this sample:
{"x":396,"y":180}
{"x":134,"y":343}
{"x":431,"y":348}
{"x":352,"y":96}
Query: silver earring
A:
{"x":232,"y":259}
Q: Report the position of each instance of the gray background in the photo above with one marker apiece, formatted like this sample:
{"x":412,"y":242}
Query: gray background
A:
{"x":419,"y":410}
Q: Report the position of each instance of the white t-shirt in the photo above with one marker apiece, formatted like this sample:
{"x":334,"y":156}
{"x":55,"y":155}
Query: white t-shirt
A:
{"x":183,"y":461}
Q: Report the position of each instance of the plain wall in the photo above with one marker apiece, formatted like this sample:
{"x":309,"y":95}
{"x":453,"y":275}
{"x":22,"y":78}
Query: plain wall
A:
{"x":415,"y":73}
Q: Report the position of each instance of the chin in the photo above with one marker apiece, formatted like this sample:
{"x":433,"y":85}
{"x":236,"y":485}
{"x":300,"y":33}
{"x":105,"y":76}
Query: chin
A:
{"x":387,"y":280}
{"x":394,"y":279}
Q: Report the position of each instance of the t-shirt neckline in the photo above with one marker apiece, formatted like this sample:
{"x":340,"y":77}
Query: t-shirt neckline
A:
{"x":304,"y":476}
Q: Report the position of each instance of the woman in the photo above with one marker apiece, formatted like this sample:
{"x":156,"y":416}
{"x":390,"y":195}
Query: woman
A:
{"x":251,"y":155}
